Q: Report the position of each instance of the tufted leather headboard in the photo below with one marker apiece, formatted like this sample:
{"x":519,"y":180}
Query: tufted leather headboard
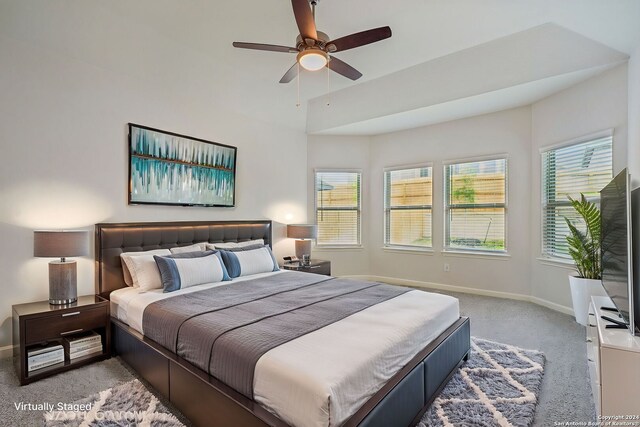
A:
{"x":113,"y":239}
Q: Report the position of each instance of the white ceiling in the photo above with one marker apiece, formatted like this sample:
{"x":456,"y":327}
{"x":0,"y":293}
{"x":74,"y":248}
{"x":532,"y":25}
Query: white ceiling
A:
{"x":422,"y":30}
{"x":247,"y":81}
{"x":511,"y":71}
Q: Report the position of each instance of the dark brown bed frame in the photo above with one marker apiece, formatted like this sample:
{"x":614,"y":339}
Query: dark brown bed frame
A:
{"x":208,"y":402}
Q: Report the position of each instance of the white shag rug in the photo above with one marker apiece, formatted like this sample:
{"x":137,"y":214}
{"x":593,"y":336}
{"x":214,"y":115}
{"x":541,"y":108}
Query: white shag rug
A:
{"x":497,"y":387}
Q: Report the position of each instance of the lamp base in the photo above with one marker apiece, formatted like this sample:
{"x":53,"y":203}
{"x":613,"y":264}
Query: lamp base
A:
{"x":303,"y":247}
{"x":63,"y":286}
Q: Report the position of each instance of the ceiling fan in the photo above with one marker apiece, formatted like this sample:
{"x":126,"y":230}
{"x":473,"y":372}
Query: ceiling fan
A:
{"x":314,"y":47}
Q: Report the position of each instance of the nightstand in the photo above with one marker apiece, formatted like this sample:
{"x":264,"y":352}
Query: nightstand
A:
{"x":317,"y":266}
{"x":40,"y":323}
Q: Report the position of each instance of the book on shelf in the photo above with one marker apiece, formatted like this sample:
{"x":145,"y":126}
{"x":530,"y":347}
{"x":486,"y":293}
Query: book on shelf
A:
{"x":87,"y":352}
{"x":34,"y":351}
{"x":45,"y":357}
{"x":39,"y":357}
{"x":83,"y":347}
{"x":43,"y":360}
{"x":84,"y":339}
{"x":33,"y":369}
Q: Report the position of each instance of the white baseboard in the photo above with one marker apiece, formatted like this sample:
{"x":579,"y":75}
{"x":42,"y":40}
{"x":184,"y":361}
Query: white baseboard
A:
{"x":6,"y":351}
{"x":465,"y":290}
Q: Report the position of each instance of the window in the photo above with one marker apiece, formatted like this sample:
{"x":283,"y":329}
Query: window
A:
{"x":407,"y":207}
{"x":476,"y":205}
{"x":338,"y":196}
{"x":585,"y":167}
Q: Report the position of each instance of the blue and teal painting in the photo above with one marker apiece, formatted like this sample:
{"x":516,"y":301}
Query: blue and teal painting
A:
{"x":177,"y":170}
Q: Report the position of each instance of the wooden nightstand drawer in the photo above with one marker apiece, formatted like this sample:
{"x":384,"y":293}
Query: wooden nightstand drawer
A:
{"x":63,"y":324}
{"x":324,"y":268}
{"x":315,"y":266}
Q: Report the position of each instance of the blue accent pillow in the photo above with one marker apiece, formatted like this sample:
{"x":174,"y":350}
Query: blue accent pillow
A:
{"x":249,"y":260}
{"x":182,"y":270}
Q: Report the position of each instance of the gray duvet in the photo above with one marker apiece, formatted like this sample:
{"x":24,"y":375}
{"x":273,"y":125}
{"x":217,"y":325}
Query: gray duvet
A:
{"x":225,"y":330}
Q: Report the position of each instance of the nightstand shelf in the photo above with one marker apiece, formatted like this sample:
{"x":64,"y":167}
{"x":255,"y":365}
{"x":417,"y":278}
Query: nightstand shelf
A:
{"x":316,"y":266}
{"x":38,"y":323}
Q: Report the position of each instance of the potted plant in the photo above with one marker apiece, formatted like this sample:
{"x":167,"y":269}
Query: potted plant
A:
{"x":584,"y":248}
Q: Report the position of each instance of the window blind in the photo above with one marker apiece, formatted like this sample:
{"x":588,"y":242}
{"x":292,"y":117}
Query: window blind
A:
{"x":586,"y":168}
{"x":338,"y":195}
{"x":407,"y":207}
{"x":476,"y":205}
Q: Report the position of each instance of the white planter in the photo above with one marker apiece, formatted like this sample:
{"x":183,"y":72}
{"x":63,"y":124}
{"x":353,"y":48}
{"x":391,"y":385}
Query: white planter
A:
{"x":581,"y":292}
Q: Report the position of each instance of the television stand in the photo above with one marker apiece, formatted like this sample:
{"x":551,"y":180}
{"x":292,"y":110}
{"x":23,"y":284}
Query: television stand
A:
{"x":613,"y":358}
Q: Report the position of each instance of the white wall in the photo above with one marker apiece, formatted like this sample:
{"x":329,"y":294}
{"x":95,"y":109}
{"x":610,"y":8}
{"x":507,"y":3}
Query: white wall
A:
{"x":347,"y":152}
{"x":634,"y":117}
{"x":594,"y":105}
{"x":63,"y":112}
{"x":506,"y":132}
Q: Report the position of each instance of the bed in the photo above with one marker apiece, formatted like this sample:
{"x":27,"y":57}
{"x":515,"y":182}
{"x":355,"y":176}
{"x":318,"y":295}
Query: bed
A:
{"x":378,"y":366}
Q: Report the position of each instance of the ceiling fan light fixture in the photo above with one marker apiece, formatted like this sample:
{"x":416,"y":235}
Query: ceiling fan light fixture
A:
{"x":313,"y":59}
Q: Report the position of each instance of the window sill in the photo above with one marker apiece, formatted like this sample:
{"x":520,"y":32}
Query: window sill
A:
{"x":410,"y":250}
{"x":502,"y":256}
{"x":338,"y":247}
{"x":557,"y":262}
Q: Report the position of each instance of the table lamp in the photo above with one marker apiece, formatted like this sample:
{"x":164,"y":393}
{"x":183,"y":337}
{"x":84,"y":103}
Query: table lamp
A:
{"x":303,"y":233}
{"x":63,"y":286}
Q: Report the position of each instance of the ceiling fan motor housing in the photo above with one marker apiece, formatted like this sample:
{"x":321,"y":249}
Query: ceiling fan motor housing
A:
{"x":321,"y":42}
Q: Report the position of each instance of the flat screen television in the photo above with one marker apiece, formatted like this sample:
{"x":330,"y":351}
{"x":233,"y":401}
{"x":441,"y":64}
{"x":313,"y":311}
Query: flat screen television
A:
{"x":617,"y":264}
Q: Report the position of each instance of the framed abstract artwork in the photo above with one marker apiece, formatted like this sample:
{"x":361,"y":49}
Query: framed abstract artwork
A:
{"x":166,"y":168}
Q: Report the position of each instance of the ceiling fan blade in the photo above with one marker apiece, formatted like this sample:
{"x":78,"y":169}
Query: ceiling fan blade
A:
{"x":360,"y":39}
{"x":344,"y":69}
{"x":291,"y":74}
{"x":304,"y":19}
{"x":269,"y":47}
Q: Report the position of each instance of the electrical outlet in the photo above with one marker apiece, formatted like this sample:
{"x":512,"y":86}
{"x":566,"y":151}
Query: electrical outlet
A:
{"x":447,"y":267}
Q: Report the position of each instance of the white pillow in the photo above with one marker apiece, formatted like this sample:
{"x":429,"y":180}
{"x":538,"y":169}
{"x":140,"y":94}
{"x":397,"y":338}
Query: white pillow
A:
{"x":232,"y":245}
{"x":197,"y":247}
{"x":127,"y":264}
{"x":190,"y":269}
{"x":244,"y":263}
{"x":143,"y":269}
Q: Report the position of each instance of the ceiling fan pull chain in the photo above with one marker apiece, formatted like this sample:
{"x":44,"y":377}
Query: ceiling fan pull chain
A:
{"x":328,"y":83}
{"x":298,"y":84}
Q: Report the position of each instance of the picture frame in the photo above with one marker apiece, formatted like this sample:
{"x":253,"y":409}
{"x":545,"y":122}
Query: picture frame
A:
{"x":167,"y":168}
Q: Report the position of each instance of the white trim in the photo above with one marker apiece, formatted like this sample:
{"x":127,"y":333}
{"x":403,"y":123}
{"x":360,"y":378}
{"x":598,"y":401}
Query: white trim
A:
{"x":446,"y":202}
{"x":409,"y":250}
{"x":552,"y":305}
{"x":465,"y":290}
{"x":6,"y":352}
{"x":329,"y":170}
{"x":503,"y":256}
{"x":327,"y":248}
{"x":605,"y":133}
{"x":411,"y":166}
{"x":386,"y":198}
{"x":557,"y":262}
{"x":484,"y":158}
{"x":316,"y":171}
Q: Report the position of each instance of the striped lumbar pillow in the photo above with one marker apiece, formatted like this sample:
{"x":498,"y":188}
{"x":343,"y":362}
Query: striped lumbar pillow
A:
{"x":244,"y":261}
{"x":180,"y":271}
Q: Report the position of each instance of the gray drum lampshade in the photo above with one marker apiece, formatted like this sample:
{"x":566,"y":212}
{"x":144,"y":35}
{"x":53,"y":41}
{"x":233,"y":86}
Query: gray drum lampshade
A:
{"x":60,"y":244}
{"x":63,"y":284}
{"x":302,"y":231}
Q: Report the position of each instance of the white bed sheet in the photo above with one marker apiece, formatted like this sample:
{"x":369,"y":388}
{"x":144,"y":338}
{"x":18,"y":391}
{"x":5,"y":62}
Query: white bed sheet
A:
{"x":323,"y":377}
